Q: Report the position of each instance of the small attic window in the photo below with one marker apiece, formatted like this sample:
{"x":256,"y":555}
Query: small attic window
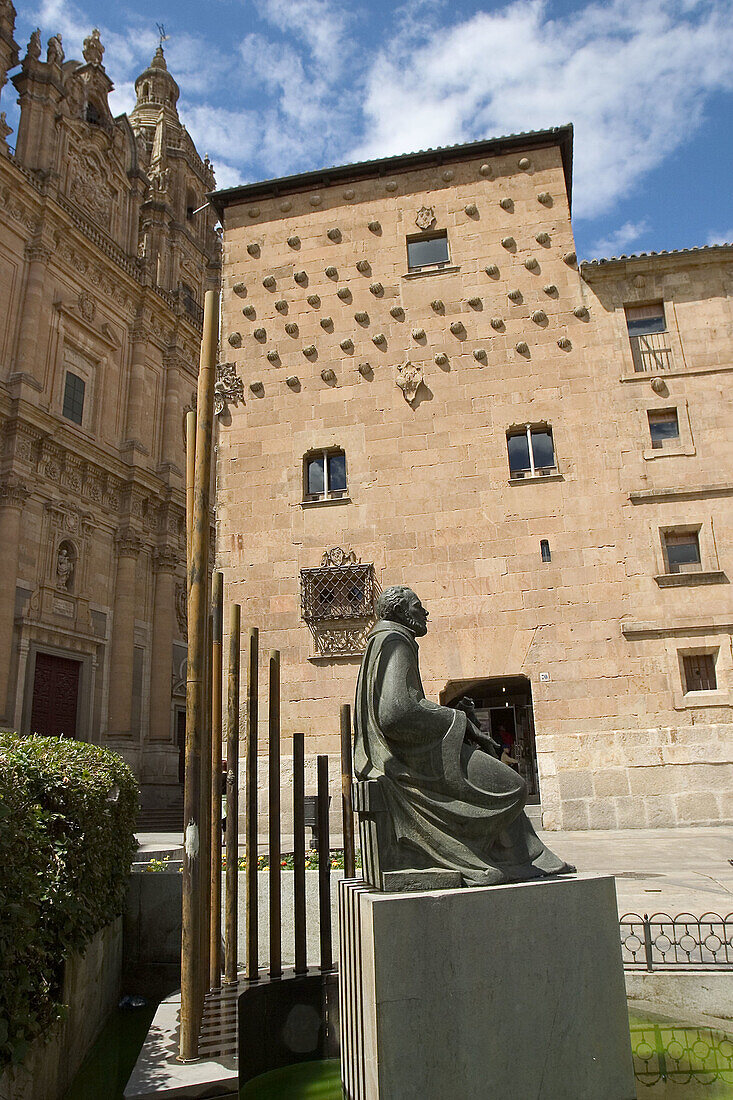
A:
{"x":93,"y":115}
{"x":146,"y":89}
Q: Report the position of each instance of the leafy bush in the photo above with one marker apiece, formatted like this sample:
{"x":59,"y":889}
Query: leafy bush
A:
{"x":67,"y":814}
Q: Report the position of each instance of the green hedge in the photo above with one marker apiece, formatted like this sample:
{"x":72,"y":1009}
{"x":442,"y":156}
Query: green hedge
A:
{"x":67,"y":815}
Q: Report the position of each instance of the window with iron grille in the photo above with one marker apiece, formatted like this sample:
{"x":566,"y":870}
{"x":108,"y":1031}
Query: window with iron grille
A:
{"x":337,"y":602}
{"x":647,"y":328}
{"x":699,"y":672}
{"x":324,"y":475}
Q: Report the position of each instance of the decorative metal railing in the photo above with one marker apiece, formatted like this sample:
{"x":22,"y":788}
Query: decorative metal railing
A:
{"x":681,"y":1055}
{"x":652,"y":352}
{"x":661,"y":941}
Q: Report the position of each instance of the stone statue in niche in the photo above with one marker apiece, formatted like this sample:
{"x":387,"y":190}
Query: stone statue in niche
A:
{"x":55,"y":51}
{"x":64,"y":567}
{"x":430,"y":781}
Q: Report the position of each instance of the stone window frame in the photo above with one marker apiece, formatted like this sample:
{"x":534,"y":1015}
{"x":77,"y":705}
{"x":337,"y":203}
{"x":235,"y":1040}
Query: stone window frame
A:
{"x":709,"y":571}
{"x":554,"y":472}
{"x":86,"y":369}
{"x":713,"y":644}
{"x":685,"y":444}
{"x":339,"y":496}
{"x":629,"y":374}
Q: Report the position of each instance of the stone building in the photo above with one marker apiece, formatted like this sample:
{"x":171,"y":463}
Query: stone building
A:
{"x":438,"y":394}
{"x":104,"y":259}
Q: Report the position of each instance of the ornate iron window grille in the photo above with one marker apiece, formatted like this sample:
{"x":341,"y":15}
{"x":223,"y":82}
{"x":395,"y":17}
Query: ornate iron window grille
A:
{"x":337,"y":603}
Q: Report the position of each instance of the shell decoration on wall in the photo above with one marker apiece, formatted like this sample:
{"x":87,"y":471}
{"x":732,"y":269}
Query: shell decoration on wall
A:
{"x":374,"y":227}
{"x":522,"y":347}
{"x":292,"y":380}
{"x":235,"y":339}
{"x":437,"y":305}
{"x":377,"y":289}
{"x":347,"y":344}
{"x":248,"y":312}
{"x":328,"y":375}
{"x":418,"y":334}
{"x":294,"y":242}
{"x":361,"y":317}
{"x":326,"y":322}
{"x":543,"y":238}
{"x":514,"y":295}
{"x":492,"y":271}
{"x":343,"y":293}
{"x":570,"y":258}
{"x":313,"y":300}
{"x":363,"y":266}
{"x":539,"y":316}
{"x":291,"y":328}
{"x":240,"y":289}
{"x":309,"y":350}
{"x":581,"y":312}
{"x":508,"y":243}
{"x":391,"y":185}
{"x":300,"y":277}
{"x":475,"y":303}
{"x":564,"y":343}
{"x":409,"y":378}
{"x":334,"y":234}
{"x":332,"y":272}
{"x":268,"y":282}
{"x":457,"y":327}
{"x":364,"y":369}
{"x":260,"y":334}
{"x":447,"y":175}
{"x":485,"y":171}
{"x":253,"y":249}
{"x":379,"y":338}
{"x":398,"y":313}
{"x":545,"y":198}
{"x":479,"y":355}
{"x":257,"y":387}
{"x":273,"y":356}
{"x":281,"y":306}
{"x":441,"y":359}
{"x":550,"y":289}
{"x":506,"y":203}
{"x":497,"y":323}
{"x":524,"y":164}
{"x":471,"y":209}
{"x":531,"y":263}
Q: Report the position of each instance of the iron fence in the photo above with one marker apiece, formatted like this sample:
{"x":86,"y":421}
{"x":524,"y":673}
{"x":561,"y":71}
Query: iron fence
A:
{"x":652,"y":352}
{"x":661,"y":941}
{"x":681,"y":1055}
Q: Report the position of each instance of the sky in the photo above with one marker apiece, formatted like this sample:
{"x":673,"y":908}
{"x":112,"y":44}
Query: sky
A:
{"x":273,"y":87}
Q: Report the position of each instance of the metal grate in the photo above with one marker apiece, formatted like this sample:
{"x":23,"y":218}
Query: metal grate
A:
{"x":660,"y":940}
{"x":337,"y":602}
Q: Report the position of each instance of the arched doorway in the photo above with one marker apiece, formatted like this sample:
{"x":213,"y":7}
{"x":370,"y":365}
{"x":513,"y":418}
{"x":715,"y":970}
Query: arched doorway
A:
{"x":504,"y":709}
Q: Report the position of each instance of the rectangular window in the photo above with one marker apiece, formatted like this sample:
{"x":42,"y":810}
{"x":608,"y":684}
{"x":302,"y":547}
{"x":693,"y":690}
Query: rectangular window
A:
{"x":427,"y":251}
{"x":699,"y":672}
{"x":73,"y":408}
{"x":681,"y":551}
{"x":645,"y":320}
{"x":325,"y":475}
{"x":663,"y":427}
{"x":531,"y":452}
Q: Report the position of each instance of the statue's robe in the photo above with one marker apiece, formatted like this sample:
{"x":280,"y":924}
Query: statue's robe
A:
{"x":452,"y":805}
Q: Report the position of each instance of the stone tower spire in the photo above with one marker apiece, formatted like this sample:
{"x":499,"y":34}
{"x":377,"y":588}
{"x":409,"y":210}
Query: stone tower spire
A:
{"x":156,"y":91}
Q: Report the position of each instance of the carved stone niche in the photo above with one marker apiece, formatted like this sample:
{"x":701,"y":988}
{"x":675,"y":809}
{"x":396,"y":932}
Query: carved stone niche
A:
{"x":65,"y":565}
{"x":409,"y":379}
{"x":228,"y":388}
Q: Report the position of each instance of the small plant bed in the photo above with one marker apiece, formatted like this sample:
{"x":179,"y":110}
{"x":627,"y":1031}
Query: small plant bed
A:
{"x":287,"y":863}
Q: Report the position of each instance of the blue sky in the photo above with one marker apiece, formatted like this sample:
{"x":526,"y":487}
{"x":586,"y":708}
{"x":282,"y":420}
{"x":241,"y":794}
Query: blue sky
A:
{"x":271,"y":87}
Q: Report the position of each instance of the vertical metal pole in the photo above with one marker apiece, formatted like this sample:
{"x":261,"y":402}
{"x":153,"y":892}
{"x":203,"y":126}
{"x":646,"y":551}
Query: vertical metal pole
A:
{"x":324,"y":866}
{"x":274,"y":815}
{"x":190,"y":467}
{"x":194,"y":876}
{"x":299,"y":917}
{"x":217,"y":602}
{"x":232,"y":837}
{"x":648,"y":942}
{"x":251,"y":894}
{"x":205,"y":892}
{"x":347,"y":810}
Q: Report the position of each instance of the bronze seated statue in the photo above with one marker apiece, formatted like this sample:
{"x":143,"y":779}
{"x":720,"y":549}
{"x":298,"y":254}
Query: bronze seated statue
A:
{"x":432,"y":794}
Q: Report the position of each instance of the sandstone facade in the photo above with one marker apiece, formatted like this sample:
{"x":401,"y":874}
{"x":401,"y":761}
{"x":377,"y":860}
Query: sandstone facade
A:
{"x":103,"y":264}
{"x":421,"y":378}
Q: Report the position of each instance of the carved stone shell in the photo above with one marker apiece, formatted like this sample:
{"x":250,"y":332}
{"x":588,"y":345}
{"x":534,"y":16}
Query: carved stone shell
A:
{"x":309,"y":349}
{"x":343,"y":293}
{"x":506,"y":203}
{"x":281,"y":306}
{"x":522,"y":347}
{"x":377,"y":289}
{"x":539,"y":316}
{"x":564,"y":343}
{"x":457,"y":327}
{"x":524,"y":163}
{"x":391,"y":185}
{"x":363,"y":266}
{"x":349,"y":194}
{"x":240,"y":290}
{"x":254,"y":212}
{"x":550,"y":289}
{"x":485,"y":170}
{"x":248,"y":311}
{"x":235,"y":339}
{"x":492,"y":271}
{"x":479,"y":355}
{"x":328,"y":375}
{"x":292,"y":380}
{"x":514,"y":295}
{"x":313,"y":300}
{"x":475,"y":303}
{"x":361,"y":317}
{"x":471,"y":209}
{"x":418,"y":334}
{"x":332,"y":273}
{"x":253,"y":249}
{"x":326,"y":322}
{"x":347,"y":344}
{"x":294,"y":242}
{"x":497,"y":323}
{"x":273,"y":356}
{"x":543,"y":238}
{"x":508,"y":242}
{"x":438,"y":305}
{"x":379,"y":338}
{"x":364,"y":369}
{"x":570,"y":259}
{"x":334,"y":234}
{"x":291,"y":328}
{"x":531,"y":263}
{"x":448,"y":175}
{"x":397,"y":312}
{"x":441,"y":359}
{"x":260,"y":334}
{"x":545,"y":198}
{"x":374,"y":226}
{"x":300,"y":277}
{"x":268,"y":282}
{"x":257,"y":386}
{"x":581,"y":312}
{"x":315,"y":200}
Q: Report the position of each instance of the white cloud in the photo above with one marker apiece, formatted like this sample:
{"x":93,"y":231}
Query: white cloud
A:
{"x":225,"y":135}
{"x":632,"y":77}
{"x":724,"y":237}
{"x":616,"y":242}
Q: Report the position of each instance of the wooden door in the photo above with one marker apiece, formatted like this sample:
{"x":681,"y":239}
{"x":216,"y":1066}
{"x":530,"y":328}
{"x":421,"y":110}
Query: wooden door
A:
{"x":55,"y":696}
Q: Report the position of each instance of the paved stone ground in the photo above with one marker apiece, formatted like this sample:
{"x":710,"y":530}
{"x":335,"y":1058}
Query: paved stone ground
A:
{"x":658,"y":870}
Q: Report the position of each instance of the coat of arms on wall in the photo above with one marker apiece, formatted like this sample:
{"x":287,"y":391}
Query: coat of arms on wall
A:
{"x":228,"y":388}
{"x":409,"y":379}
{"x":425,"y":218}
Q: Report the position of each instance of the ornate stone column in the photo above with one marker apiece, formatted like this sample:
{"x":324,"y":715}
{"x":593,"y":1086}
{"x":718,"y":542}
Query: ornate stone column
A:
{"x":13,"y":495}
{"x":123,"y":636}
{"x":165,"y":562}
{"x":136,"y":394}
{"x":172,"y":457}
{"x":27,"y":367}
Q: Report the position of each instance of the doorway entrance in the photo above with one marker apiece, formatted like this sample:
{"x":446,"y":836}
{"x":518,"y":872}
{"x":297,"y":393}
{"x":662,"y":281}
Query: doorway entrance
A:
{"x":55,"y":695}
{"x":504,"y":709}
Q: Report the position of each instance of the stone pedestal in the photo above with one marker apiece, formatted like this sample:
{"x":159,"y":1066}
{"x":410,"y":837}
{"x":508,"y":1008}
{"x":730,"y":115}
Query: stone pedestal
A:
{"x":502,"y":991}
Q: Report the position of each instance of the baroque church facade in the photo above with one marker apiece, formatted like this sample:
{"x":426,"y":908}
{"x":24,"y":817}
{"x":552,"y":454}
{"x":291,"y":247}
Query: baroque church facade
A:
{"x":105,"y":255}
{"x":438,"y":393}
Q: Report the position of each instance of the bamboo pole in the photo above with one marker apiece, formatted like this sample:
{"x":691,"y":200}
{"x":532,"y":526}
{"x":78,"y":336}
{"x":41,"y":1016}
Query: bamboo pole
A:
{"x":347,"y":810}
{"x":217,"y":602}
{"x":232,"y":836}
{"x":324,"y":867}
{"x":190,"y":467}
{"x":273,"y":782}
{"x":299,"y":910}
{"x":196,"y":718}
{"x":251,"y":893}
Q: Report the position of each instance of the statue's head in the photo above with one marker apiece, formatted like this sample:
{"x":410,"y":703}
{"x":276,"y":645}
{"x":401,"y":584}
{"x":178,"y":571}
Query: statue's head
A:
{"x":399,"y":604}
